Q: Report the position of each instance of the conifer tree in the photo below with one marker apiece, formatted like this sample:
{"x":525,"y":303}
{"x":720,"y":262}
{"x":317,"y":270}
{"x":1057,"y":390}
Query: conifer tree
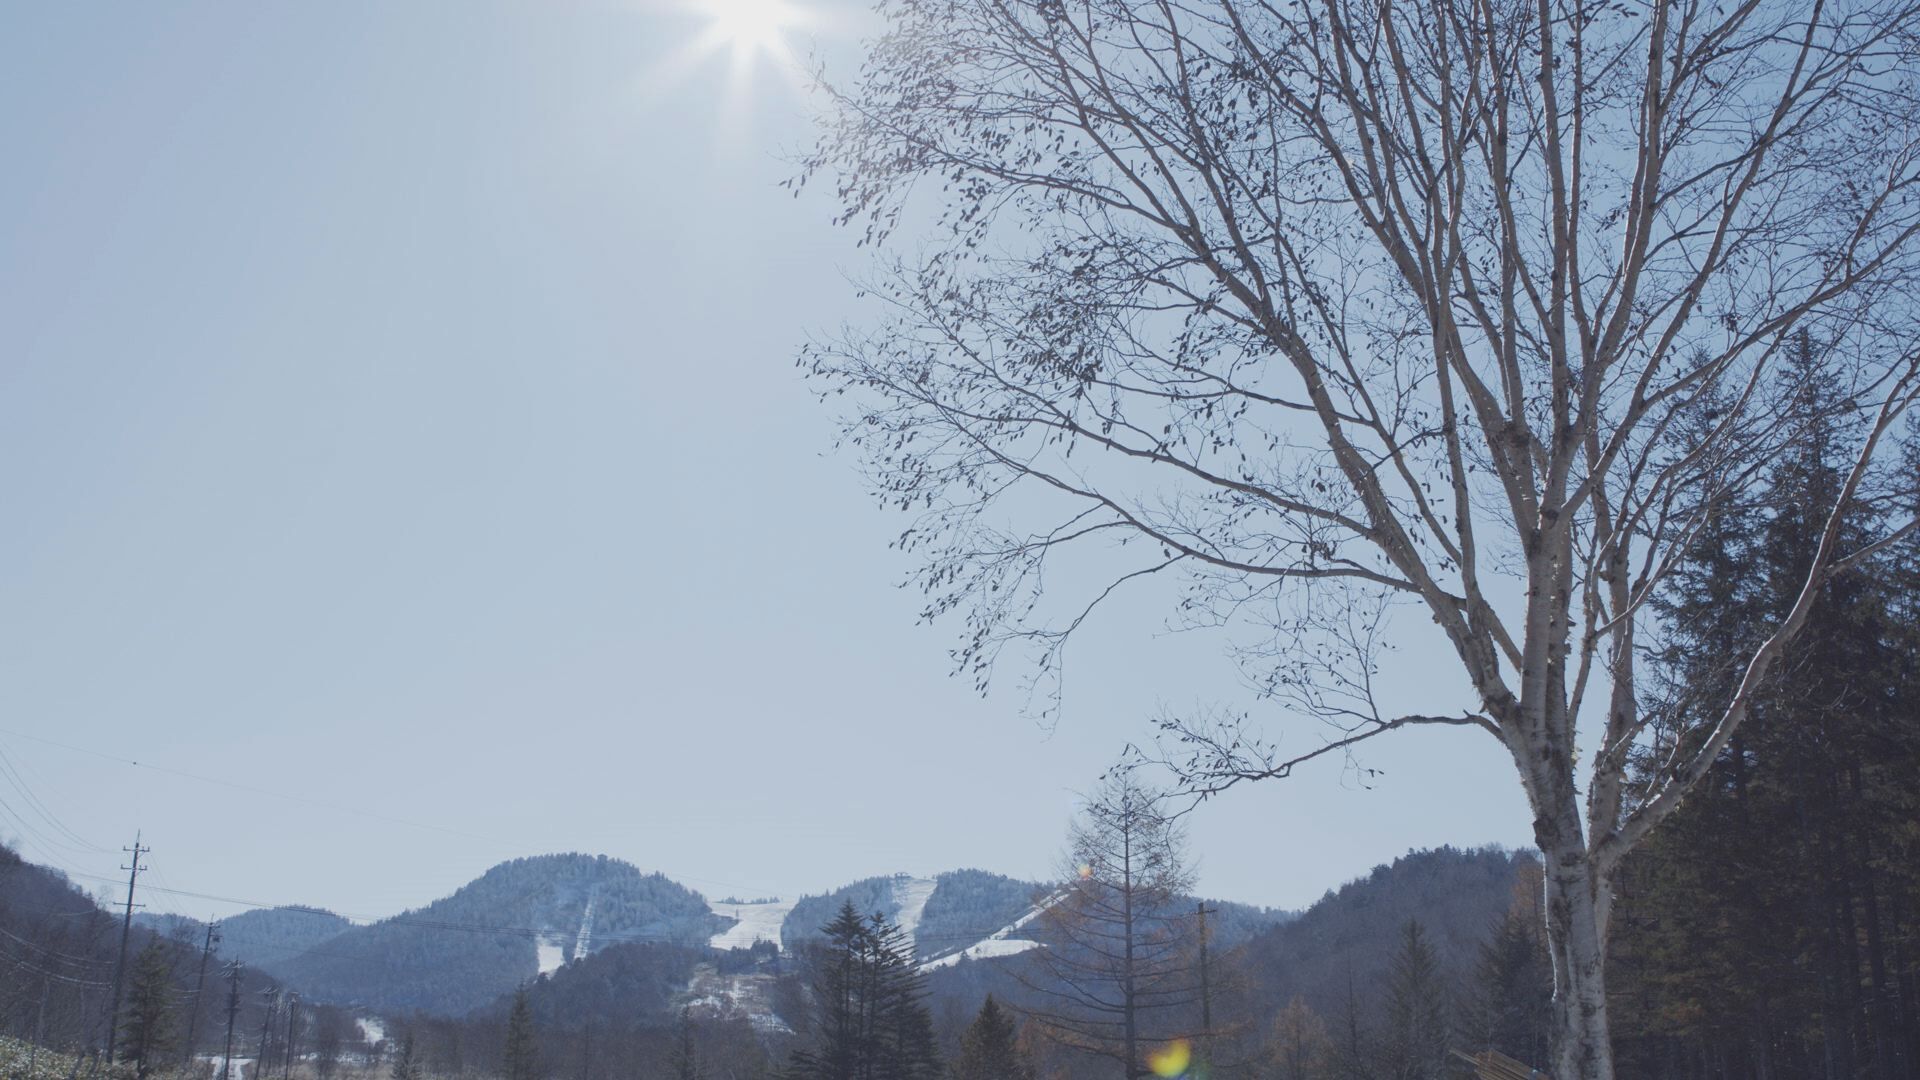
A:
{"x":686,"y":1053}
{"x":1767,"y":927}
{"x":1414,"y":1046}
{"x":871,"y":1020}
{"x":522,"y":1056}
{"x":990,"y":1049}
{"x":1509,"y":1008}
{"x":1119,"y":971}
{"x":146,"y":1028}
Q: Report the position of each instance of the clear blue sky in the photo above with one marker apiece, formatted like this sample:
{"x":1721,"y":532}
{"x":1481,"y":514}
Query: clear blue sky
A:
{"x":397,"y":411}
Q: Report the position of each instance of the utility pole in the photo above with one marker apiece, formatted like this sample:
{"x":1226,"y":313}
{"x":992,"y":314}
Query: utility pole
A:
{"x":293,"y":1013}
{"x":39,"y":1025}
{"x":133,"y":869}
{"x":199,"y":989}
{"x":233,"y":1013}
{"x":272,"y":1001}
{"x":1206,"y":999}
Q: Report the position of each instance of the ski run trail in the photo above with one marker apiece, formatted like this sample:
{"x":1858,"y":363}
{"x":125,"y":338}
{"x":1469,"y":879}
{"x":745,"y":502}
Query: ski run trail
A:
{"x":1000,"y":943}
{"x":585,"y":940}
{"x":912,"y":894}
{"x":756,"y":922}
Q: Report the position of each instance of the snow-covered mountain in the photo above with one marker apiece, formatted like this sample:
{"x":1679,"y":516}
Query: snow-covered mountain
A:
{"x":536,"y":918}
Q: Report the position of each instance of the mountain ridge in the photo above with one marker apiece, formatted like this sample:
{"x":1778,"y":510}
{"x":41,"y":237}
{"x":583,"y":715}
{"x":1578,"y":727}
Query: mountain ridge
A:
{"x":528,"y":918}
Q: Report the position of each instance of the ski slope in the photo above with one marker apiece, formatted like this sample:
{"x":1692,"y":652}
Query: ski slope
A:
{"x":756,"y":922}
{"x":585,"y":941}
{"x":912,"y":894}
{"x":1000,"y":943}
{"x":550,"y":951}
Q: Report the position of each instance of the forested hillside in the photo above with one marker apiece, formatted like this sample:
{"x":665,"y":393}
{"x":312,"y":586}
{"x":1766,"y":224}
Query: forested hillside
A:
{"x":58,"y":952}
{"x":1347,"y":939}
{"x":810,"y":913}
{"x":968,"y":906}
{"x":267,"y":939}
{"x":464,"y":951}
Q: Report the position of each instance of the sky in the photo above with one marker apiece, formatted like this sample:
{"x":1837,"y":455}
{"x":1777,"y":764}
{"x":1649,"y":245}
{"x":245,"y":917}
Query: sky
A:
{"x":403,"y":461}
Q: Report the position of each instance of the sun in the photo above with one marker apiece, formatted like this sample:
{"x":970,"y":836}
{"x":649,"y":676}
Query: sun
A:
{"x":757,"y":38}
{"x":753,"y":29}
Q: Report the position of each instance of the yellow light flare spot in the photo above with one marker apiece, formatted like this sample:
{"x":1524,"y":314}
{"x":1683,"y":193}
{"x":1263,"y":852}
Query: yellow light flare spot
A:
{"x":1086,"y":871}
{"x":1172,"y":1059}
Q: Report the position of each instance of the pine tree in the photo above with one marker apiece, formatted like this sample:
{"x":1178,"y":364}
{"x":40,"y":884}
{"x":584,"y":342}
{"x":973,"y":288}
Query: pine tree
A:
{"x":1764,"y":929}
{"x":1414,"y":1046}
{"x":686,"y":1053}
{"x":522,"y":1056}
{"x":871,"y":1020}
{"x":146,"y":1028}
{"x":1510,"y":1008}
{"x":990,"y":1049}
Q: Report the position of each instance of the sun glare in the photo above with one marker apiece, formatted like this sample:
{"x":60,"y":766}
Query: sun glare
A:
{"x":753,"y":28}
{"x":755,"y":37}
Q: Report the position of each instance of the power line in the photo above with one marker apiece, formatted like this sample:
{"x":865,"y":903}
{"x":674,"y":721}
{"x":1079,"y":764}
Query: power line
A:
{"x":50,"y":953}
{"x":90,"y":984}
{"x":17,"y":777}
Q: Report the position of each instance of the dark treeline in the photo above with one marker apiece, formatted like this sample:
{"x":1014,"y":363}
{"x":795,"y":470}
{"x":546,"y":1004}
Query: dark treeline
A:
{"x":58,"y":952}
{"x":1772,"y":929}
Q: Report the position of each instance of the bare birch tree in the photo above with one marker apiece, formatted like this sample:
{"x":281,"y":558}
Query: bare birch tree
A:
{"x":1320,"y":306}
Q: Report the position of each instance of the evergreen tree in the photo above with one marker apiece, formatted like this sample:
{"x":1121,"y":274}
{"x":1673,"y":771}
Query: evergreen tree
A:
{"x":146,"y":1028}
{"x":1510,"y":1008}
{"x":871,"y":1020}
{"x":1764,"y":931}
{"x":522,"y":1056}
{"x":686,"y":1053}
{"x":990,"y":1049}
{"x":1414,"y":1046}
{"x":406,"y":1066}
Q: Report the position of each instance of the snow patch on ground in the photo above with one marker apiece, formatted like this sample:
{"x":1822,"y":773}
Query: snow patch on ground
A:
{"x":371,"y":1030}
{"x":912,"y":894}
{"x":756,"y":922}
{"x":749,"y":997}
{"x":1000,"y":943}
{"x":238,"y":1068}
{"x":550,"y":951}
{"x":991,"y":949}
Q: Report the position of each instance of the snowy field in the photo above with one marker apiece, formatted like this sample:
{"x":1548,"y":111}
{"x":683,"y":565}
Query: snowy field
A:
{"x":758,"y":922}
{"x":550,"y":953}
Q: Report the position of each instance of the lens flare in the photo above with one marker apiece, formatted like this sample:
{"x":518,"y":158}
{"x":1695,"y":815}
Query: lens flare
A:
{"x":1172,"y":1059}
